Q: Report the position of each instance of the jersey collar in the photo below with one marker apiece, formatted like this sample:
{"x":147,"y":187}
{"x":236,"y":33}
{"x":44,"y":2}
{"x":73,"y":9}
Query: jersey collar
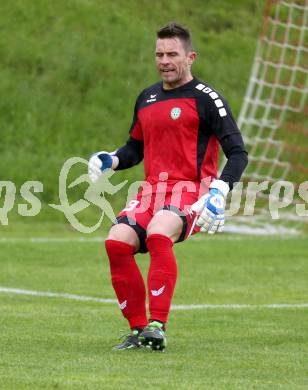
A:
{"x":182,"y":87}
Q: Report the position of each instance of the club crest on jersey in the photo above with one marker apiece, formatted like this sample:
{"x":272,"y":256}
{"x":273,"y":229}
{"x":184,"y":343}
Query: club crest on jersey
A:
{"x":175,"y":113}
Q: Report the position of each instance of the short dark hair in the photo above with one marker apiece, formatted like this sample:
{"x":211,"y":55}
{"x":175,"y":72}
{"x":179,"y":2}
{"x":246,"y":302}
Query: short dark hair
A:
{"x":175,"y":30}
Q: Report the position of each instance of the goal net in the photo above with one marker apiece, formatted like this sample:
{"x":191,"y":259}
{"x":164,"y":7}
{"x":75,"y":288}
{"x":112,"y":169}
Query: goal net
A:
{"x":273,"y":118}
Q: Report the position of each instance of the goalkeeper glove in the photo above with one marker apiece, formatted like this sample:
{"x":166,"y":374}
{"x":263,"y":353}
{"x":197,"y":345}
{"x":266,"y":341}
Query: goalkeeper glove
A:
{"x":211,"y":208}
{"x":98,"y":163}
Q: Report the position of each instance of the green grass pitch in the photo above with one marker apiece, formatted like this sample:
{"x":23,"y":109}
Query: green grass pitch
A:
{"x":57,"y":343}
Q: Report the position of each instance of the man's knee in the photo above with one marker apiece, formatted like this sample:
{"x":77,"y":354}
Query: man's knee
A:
{"x":125,"y":234}
{"x":158,"y":228}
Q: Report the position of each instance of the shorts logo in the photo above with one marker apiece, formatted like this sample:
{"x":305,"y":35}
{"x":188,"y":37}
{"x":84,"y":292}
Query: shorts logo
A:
{"x":175,"y":113}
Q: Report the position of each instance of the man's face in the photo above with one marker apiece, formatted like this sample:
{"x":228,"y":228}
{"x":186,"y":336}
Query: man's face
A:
{"x":173,"y":62}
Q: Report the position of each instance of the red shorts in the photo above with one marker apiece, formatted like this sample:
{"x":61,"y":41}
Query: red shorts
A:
{"x":151,"y":199}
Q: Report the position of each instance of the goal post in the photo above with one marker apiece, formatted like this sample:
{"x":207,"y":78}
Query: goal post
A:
{"x":273,"y":117}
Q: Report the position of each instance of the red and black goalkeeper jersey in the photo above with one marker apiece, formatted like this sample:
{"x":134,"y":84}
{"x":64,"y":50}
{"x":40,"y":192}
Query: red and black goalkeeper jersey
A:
{"x":178,"y":131}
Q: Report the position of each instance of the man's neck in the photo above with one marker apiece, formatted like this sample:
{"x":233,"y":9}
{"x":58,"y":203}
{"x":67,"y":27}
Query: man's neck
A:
{"x":177,"y":84}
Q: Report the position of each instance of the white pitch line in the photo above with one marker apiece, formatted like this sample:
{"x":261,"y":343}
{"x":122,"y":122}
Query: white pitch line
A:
{"x":231,"y":306}
{"x":241,"y":306}
{"x":55,"y":295}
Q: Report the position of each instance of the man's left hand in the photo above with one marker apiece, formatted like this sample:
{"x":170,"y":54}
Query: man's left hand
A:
{"x":211,"y":208}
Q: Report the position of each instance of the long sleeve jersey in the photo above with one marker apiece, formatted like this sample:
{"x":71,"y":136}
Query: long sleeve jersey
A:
{"x":179,"y":131}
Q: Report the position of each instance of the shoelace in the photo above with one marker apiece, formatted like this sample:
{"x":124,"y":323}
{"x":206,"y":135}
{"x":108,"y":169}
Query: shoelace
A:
{"x":125,"y":335}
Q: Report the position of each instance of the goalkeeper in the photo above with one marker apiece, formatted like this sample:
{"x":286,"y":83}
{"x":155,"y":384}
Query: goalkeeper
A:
{"x":178,"y":125}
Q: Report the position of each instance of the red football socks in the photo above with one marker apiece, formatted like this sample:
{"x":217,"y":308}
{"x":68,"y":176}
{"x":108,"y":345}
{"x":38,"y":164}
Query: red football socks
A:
{"x":161,"y":277}
{"x":127,"y":282}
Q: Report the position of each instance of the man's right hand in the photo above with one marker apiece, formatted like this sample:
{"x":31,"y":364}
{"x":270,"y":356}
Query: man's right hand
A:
{"x":98,"y":163}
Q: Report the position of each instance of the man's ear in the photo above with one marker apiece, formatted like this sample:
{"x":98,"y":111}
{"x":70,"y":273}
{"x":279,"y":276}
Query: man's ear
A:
{"x":191,"y":57}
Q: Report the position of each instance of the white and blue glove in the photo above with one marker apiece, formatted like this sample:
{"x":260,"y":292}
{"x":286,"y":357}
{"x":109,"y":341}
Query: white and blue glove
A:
{"x":98,"y":163}
{"x":210,"y":208}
